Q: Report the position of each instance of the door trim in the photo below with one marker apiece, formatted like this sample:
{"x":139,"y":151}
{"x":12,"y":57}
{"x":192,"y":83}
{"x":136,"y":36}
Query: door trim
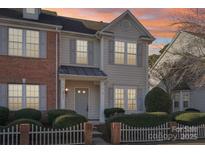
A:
{"x":88,"y":97}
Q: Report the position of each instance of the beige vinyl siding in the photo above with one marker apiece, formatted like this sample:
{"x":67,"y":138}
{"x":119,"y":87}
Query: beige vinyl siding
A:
{"x":93,"y":100}
{"x":65,"y":49}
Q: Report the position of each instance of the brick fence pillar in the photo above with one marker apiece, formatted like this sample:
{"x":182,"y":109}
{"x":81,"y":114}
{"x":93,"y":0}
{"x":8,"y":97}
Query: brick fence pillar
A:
{"x":115,"y":132}
{"x":173,"y":131}
{"x":88,"y":133}
{"x":24,"y":134}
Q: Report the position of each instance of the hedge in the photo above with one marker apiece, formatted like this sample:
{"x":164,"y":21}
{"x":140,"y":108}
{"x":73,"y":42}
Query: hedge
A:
{"x":68,"y":120}
{"x":113,"y":111}
{"x":4,"y":115}
{"x":141,"y":119}
{"x":192,"y":110}
{"x":24,"y":121}
{"x":157,"y":100}
{"x":53,"y":114}
{"x":28,"y":113}
{"x":191,"y":118}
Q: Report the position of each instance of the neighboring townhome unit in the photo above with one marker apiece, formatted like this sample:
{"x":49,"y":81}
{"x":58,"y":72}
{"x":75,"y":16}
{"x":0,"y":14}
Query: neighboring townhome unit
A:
{"x":103,"y":65}
{"x":185,"y":93}
{"x":28,"y":49}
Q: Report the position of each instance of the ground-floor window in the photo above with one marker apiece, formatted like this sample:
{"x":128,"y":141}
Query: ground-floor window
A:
{"x":23,"y":96}
{"x":181,"y":100}
{"x":125,"y":97}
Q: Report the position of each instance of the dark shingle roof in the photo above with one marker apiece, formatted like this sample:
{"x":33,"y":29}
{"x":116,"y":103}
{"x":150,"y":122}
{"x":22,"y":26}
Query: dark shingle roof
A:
{"x":69,"y":24}
{"x":85,"y":71}
{"x":182,"y":86}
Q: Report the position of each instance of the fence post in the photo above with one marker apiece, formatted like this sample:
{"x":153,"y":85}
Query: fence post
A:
{"x":88,"y":132}
{"x":24,"y":134}
{"x":173,"y":125}
{"x":115,"y":133}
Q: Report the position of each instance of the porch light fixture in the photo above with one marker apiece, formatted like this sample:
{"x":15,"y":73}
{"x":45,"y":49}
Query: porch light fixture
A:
{"x":66,"y":90}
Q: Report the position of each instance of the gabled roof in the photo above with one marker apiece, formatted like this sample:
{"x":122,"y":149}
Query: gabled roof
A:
{"x":182,"y":86}
{"x":71,"y":24}
{"x":127,"y":12}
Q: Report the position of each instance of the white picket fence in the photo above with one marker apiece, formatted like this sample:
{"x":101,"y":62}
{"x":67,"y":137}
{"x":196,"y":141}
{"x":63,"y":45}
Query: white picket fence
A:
{"x":144,"y":134}
{"x":185,"y":132}
{"x":10,"y":136}
{"x":50,"y":136}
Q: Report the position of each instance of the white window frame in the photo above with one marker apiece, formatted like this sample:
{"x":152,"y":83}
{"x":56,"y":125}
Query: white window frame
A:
{"x":24,"y":44}
{"x":81,"y":52}
{"x":181,"y":100}
{"x":125,"y":89}
{"x":31,"y":10}
{"x":126,"y":42}
{"x":24,"y":96}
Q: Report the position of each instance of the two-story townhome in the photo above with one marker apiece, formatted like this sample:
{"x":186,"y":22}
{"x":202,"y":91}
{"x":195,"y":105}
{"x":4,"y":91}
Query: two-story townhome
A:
{"x":50,"y":61}
{"x":103,"y":65}
{"x":28,"y":64}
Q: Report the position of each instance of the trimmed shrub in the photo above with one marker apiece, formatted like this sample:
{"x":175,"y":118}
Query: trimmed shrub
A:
{"x":113,"y":111}
{"x":157,"y":113}
{"x":157,"y":100}
{"x":191,"y":118}
{"x":28,"y":113}
{"x":4,"y":115}
{"x":192,"y":110}
{"x":24,"y":121}
{"x":141,"y":119}
{"x":68,"y":120}
{"x":173,"y":115}
{"x":53,"y":114}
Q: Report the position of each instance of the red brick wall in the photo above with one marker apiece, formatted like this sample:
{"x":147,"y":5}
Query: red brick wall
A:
{"x":34,"y":70}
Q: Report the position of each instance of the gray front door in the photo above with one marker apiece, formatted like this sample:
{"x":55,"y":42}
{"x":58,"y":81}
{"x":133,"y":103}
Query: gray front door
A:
{"x":81,"y":101}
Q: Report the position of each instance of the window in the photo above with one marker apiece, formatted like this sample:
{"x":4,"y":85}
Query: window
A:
{"x":176,"y":101}
{"x":27,"y":48}
{"x":32,"y":43}
{"x":15,"y":42}
{"x":186,"y":99}
{"x":132,"y":99}
{"x":119,"y":98}
{"x":23,"y":96}
{"x":119,"y":52}
{"x":15,"y":96}
{"x":30,"y":10}
{"x":125,"y":53}
{"x":126,"y":98}
{"x":131,"y":53}
{"x":32,"y":96}
{"x":82,"y":52}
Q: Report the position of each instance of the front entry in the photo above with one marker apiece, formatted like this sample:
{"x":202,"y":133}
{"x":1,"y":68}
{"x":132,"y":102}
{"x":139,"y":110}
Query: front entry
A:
{"x":81,"y":101}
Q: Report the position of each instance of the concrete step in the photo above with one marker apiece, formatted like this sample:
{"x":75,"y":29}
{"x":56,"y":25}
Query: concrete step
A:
{"x":99,"y":141}
{"x":97,"y":134}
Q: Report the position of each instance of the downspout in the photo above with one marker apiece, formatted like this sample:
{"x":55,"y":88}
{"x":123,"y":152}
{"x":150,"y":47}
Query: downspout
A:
{"x":56,"y":68}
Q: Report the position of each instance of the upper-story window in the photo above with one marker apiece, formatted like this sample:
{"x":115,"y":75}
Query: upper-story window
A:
{"x":32,"y":43}
{"x":15,"y":42}
{"x":125,"y":53}
{"x":119,"y":52}
{"x":23,"y":42}
{"x":131,"y":53}
{"x":30,"y":10}
{"x":82,"y":52}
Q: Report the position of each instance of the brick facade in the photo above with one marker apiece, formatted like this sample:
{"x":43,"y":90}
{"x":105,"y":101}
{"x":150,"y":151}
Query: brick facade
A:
{"x":34,"y":70}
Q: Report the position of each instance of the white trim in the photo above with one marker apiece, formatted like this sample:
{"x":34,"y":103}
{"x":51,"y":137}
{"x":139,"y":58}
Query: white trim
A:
{"x":32,"y":22}
{"x":82,"y":77}
{"x":102,"y":101}
{"x":88,"y":99}
{"x":62,"y":93}
{"x":78,"y":33}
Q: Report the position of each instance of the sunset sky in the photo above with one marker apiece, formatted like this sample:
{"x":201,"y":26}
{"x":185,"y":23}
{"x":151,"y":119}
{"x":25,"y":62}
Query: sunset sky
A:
{"x":157,"y":21}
